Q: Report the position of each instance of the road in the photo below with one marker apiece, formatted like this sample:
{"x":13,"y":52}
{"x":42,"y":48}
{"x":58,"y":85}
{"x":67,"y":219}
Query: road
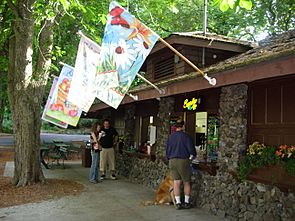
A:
{"x":8,"y":140}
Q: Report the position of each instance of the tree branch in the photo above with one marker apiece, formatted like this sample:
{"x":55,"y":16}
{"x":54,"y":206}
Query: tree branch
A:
{"x":248,"y":33}
{"x":45,"y":45}
{"x":212,"y":30}
{"x":166,"y":30}
{"x":13,"y":8}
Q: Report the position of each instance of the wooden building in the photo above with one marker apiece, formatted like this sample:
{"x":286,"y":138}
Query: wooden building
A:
{"x":267,"y":70}
{"x":253,"y":100}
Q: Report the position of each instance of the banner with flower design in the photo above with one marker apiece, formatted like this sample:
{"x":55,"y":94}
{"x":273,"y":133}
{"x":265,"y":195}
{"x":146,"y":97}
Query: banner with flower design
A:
{"x":51,"y":119}
{"x":126,"y":44}
{"x":59,"y":106}
{"x":82,"y":91}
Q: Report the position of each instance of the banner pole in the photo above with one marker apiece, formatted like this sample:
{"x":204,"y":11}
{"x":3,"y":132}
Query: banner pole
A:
{"x":134,"y":97}
{"x":161,"y":91}
{"x":64,"y":64}
{"x":211,"y":81}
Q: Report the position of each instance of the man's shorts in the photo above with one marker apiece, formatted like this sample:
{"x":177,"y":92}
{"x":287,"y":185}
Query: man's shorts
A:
{"x":180,"y":169}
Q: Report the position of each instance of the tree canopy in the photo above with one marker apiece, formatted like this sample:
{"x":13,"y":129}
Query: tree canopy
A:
{"x":247,"y":19}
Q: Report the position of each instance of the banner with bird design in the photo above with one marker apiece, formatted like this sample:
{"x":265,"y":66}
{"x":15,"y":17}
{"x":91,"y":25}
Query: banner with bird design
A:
{"x":125,"y":45}
{"x":82,"y":91}
{"x":59,"y":107}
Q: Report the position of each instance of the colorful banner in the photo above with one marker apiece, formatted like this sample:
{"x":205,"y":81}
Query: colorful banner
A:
{"x":82,"y":92}
{"x":126,"y":44}
{"x":59,"y":107}
{"x":50,"y":119}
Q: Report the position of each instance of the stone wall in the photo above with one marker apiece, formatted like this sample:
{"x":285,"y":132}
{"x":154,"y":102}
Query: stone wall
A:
{"x":129,"y":132}
{"x":233,"y":126}
{"x":229,"y":199}
{"x":142,"y":171}
{"x":166,"y":107}
{"x":221,"y":195}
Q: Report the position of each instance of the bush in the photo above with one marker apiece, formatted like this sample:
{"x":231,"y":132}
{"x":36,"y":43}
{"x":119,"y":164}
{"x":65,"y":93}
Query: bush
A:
{"x":85,"y":122}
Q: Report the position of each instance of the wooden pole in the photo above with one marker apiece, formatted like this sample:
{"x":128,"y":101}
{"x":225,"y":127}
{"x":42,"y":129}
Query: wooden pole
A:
{"x":134,"y":97}
{"x":161,"y":91}
{"x":64,"y":64}
{"x":211,"y":81}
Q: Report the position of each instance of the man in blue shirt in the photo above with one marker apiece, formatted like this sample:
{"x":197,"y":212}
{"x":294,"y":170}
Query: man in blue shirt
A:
{"x":179,"y":149}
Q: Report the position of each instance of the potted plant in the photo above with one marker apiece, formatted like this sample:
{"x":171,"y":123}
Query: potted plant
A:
{"x":269,"y":165}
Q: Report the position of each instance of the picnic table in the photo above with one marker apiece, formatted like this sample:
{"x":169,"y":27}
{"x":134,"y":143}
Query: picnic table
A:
{"x":43,"y":153}
{"x":54,"y":152}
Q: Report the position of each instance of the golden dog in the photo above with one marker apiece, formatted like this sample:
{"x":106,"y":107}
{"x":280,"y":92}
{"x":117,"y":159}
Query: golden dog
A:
{"x":164,"y":194}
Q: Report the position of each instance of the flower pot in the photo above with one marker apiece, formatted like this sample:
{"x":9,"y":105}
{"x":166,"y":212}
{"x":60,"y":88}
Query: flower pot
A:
{"x":273,"y":175}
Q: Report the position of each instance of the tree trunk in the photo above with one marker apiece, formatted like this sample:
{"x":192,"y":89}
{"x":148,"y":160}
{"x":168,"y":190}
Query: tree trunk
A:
{"x":2,"y":104}
{"x":3,"y":91}
{"x":26,"y":90}
{"x":2,"y":109}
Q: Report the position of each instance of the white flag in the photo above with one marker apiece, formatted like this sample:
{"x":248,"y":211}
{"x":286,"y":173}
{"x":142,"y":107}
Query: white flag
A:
{"x":82,"y":91}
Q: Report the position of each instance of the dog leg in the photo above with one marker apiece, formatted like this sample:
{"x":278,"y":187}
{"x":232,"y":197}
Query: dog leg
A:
{"x":172,"y":196}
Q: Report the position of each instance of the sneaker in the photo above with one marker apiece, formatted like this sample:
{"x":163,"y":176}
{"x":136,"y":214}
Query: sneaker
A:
{"x":113,"y":177}
{"x":93,"y":181}
{"x":178,"y":206}
{"x":102,"y":177}
{"x":187,"y":206}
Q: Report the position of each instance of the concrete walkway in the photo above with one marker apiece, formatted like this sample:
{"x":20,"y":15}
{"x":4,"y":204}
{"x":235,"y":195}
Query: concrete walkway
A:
{"x":107,"y":201}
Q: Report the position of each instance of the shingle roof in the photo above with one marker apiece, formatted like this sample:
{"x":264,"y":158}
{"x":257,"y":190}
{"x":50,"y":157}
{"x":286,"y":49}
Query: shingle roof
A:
{"x":215,"y":37}
{"x":279,"y":46}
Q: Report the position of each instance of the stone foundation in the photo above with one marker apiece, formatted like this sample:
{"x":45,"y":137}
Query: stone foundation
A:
{"x":227,"y":198}
{"x":141,"y":171}
{"x":222,"y":196}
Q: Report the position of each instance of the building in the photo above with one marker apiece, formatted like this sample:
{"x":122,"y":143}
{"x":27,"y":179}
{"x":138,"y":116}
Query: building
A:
{"x":252,"y":101}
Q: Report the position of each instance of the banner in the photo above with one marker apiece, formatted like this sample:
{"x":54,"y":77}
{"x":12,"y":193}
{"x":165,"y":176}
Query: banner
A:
{"x":82,"y":92}
{"x":126,"y":44}
{"x":50,"y":119}
{"x":59,"y":107}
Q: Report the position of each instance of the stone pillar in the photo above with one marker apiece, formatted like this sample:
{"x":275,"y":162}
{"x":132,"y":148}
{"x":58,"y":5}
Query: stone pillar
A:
{"x":233,"y":126}
{"x":129,"y":131}
{"x":166,"y":107}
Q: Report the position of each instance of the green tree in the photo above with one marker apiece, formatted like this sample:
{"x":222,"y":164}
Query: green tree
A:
{"x":5,"y":18}
{"x":30,"y":57}
{"x":242,"y":19}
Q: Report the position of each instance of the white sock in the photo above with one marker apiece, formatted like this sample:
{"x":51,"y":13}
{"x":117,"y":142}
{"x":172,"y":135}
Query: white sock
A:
{"x":186,"y":199}
{"x":177,"y":198}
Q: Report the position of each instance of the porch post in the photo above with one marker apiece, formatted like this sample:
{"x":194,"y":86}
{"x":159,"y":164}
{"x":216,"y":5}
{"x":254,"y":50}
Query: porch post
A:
{"x":166,"y":107}
{"x":233,"y":126}
{"x":129,"y":132}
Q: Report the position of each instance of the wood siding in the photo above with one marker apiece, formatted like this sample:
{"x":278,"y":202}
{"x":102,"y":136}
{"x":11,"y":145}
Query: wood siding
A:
{"x":164,"y":64}
{"x":212,"y":56}
{"x":272,"y":111}
{"x":161,"y":65}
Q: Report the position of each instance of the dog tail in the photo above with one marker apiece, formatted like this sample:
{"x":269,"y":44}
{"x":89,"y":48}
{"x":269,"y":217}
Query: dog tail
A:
{"x":148,"y":203}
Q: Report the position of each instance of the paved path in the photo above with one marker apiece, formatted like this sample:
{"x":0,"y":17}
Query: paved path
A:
{"x":110,"y":200}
